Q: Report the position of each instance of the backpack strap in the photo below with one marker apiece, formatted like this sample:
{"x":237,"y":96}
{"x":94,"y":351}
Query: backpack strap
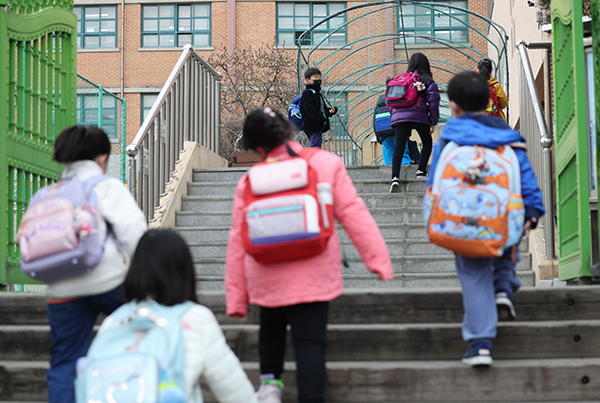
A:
{"x":518,"y":144}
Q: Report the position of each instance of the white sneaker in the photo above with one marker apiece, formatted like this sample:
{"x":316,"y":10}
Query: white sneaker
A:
{"x":269,"y":393}
{"x":395,"y":185}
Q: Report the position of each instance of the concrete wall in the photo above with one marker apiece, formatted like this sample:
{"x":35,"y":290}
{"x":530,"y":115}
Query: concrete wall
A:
{"x":194,"y":157}
{"x":519,"y":21}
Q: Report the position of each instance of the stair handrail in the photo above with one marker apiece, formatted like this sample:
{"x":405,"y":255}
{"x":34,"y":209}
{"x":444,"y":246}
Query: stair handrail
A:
{"x":544,"y":167}
{"x":186,"y":109}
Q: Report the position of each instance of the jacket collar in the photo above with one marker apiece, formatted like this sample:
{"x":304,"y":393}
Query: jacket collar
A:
{"x":281,"y":152}
{"x":83,"y":169}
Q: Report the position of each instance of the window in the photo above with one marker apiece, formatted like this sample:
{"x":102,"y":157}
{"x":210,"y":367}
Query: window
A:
{"x":147,"y":102}
{"x":87,"y":112}
{"x":96,"y":27}
{"x":439,"y":21}
{"x":170,"y":25}
{"x":295,"y":18}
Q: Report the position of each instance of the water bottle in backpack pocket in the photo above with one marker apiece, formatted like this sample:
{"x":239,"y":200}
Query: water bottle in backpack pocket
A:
{"x":288,"y":215}
{"x":138,"y":357}
{"x":474,"y":206}
{"x":58,"y":235}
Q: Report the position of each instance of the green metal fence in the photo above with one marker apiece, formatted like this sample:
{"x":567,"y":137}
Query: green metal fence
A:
{"x":38,"y":54}
{"x":98,"y":107}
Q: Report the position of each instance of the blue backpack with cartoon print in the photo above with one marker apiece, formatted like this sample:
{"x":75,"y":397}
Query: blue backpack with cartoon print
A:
{"x":294,"y":114}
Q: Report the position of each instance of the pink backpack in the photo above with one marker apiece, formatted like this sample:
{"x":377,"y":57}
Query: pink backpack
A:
{"x":58,"y":235}
{"x":401,"y":92}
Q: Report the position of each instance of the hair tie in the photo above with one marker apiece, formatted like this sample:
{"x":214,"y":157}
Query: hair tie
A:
{"x":269,"y":112}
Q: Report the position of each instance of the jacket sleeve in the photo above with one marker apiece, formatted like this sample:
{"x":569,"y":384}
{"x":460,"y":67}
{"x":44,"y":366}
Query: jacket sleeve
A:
{"x":236,"y":291}
{"x":118,"y":207}
{"x":311,"y":107}
{"x":502,"y":97}
{"x":221,"y":369}
{"x":532,"y":195}
{"x":352,"y":213}
{"x":433,"y":103}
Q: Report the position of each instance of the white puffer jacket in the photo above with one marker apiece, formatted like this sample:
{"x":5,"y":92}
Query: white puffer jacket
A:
{"x":207,"y":356}
{"x":115,"y":205}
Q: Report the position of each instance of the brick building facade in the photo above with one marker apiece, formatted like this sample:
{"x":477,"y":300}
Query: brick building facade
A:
{"x":133,"y":53}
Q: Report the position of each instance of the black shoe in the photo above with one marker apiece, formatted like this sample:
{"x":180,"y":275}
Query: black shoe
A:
{"x":479,"y":354}
{"x":421,"y":174}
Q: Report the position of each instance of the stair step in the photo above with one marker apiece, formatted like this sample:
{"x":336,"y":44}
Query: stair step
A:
{"x":362,"y":186}
{"x":539,"y":380}
{"x":364,"y":306}
{"x":368,"y":280}
{"x":372,"y":200}
{"x":377,"y":342}
{"x":209,"y":217}
{"x":402,"y":264}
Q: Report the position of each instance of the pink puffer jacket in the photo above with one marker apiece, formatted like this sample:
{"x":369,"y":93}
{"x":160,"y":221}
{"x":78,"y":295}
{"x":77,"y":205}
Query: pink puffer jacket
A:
{"x":318,"y":278}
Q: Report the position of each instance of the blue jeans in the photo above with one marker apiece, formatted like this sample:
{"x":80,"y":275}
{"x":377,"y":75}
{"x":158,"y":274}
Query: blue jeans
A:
{"x":480,"y":279}
{"x":388,"y":145}
{"x":316,"y":139}
{"x":71,"y":327}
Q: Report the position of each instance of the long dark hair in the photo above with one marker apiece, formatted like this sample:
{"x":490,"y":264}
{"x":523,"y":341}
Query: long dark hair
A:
{"x":485,"y":68}
{"x":161,"y":269}
{"x":80,"y":143}
{"x":418,"y":62}
{"x":265,"y":128}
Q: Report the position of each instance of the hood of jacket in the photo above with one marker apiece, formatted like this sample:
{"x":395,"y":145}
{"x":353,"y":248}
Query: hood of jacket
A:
{"x":471,"y":129}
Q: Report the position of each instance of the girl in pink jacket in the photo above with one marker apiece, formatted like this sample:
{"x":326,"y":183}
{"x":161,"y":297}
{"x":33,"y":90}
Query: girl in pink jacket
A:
{"x":297,"y":292}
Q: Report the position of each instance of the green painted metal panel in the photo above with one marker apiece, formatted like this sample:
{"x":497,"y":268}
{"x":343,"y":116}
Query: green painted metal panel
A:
{"x":572,"y":170}
{"x":595,"y":14}
{"x":37,"y":100}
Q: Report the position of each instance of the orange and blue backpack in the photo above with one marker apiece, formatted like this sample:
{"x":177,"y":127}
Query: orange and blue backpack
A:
{"x":474,"y":206}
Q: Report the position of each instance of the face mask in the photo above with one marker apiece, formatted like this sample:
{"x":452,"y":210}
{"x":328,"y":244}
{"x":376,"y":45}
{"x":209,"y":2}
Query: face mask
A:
{"x":317,"y":83}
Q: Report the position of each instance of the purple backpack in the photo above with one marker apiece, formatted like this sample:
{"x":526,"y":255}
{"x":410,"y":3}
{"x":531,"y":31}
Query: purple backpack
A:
{"x":58,"y":235}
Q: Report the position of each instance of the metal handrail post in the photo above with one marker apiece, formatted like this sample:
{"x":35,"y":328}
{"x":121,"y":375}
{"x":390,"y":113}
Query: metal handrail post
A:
{"x":546,"y":142}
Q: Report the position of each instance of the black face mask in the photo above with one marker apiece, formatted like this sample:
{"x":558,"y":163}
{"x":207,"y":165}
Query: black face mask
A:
{"x":317,"y":83}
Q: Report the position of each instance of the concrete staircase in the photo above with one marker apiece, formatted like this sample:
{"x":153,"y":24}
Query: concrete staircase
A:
{"x":206,"y":215}
{"x":384,"y":346}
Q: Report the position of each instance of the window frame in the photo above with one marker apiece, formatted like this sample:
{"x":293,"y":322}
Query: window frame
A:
{"x":144,"y":108}
{"x":176,"y":31}
{"x":311,"y":17}
{"x":109,"y":126}
{"x":452,"y":19}
{"x":81,"y":22}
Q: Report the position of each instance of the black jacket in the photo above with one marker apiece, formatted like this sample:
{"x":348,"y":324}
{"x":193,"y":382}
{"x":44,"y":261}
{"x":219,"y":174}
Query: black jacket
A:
{"x":314,"y":111}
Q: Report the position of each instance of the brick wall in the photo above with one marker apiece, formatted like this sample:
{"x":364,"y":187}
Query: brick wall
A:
{"x":147,"y":70}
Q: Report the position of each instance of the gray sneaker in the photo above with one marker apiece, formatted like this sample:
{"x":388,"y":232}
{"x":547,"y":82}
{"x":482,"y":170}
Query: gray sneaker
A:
{"x":269,"y":393}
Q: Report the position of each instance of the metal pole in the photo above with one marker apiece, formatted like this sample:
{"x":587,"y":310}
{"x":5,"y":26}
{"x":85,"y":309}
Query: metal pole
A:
{"x":100,"y":106}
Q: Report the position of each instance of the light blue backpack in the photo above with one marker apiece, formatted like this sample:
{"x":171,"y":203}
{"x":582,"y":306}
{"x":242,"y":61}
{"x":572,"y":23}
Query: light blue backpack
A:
{"x":137,"y":358}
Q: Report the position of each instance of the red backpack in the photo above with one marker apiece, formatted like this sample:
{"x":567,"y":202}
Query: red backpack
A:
{"x":288,"y":214}
{"x":401,"y":91}
{"x":493,"y":109}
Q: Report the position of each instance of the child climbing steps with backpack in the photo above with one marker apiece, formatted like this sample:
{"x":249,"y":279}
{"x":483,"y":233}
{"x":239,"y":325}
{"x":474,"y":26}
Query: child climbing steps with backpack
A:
{"x":413,"y":99}
{"x":157,"y":346}
{"x":481,"y":194}
{"x":284,"y":254}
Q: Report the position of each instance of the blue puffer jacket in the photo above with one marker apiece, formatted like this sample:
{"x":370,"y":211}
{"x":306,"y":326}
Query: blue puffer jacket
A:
{"x":426,"y":111}
{"x":491,"y":131}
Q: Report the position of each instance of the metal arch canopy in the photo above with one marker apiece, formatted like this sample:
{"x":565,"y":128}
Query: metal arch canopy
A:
{"x":375,"y":47}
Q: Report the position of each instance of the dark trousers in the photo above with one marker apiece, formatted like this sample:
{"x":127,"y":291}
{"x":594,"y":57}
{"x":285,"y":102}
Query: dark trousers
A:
{"x":402,"y":131}
{"x":71,"y":327}
{"x":316,"y":139}
{"x":309,"y":328}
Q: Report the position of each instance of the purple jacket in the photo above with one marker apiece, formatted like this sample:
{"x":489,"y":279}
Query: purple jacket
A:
{"x":426,"y":111}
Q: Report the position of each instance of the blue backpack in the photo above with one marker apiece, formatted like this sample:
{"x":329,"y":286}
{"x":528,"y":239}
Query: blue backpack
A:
{"x":136,"y":358}
{"x":294,"y":114}
{"x":382,"y":123}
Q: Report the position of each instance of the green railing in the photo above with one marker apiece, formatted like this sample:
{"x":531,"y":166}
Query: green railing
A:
{"x":38,"y":54}
{"x":98,"y":107}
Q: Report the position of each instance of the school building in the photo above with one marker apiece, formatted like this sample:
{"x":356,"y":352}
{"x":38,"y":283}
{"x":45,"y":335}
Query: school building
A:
{"x":131,"y":46}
